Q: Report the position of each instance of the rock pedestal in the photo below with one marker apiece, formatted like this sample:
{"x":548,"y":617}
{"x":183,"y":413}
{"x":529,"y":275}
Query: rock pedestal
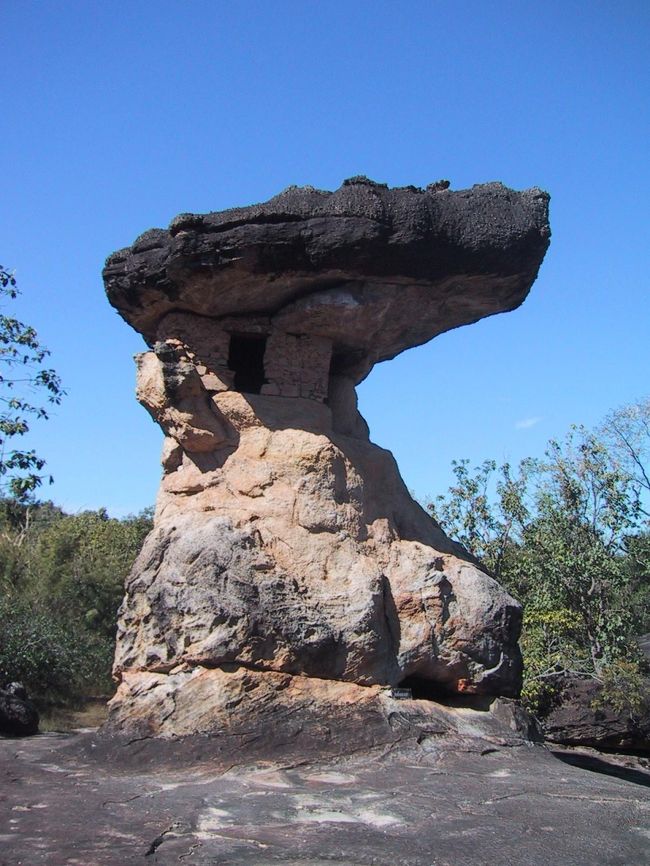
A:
{"x":287,"y":555}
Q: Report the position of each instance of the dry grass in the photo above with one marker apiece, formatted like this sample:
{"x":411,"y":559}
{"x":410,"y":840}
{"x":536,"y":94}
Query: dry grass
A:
{"x":63,"y":719}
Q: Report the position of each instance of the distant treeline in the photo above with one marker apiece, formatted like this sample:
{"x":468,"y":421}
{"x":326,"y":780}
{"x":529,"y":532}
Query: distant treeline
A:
{"x":61,"y":583}
{"x":569,"y":535}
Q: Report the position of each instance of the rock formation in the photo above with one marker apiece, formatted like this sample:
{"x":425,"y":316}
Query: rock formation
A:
{"x":581,"y":714}
{"x":287,"y":552}
{"x":18,"y":715}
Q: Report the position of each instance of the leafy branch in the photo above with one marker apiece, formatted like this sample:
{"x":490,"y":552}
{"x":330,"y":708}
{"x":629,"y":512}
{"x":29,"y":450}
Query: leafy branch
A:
{"x":27,"y":390}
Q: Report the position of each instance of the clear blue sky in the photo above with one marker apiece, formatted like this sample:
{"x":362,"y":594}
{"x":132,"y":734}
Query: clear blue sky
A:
{"x":117,"y":116}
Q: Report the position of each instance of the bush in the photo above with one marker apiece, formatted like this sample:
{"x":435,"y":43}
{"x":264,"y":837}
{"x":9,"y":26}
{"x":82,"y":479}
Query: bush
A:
{"x":62,"y":576}
{"x":56,"y":660}
{"x":625,"y":688}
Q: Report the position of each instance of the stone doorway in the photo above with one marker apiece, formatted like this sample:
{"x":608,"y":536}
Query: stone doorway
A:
{"x":246,"y":360}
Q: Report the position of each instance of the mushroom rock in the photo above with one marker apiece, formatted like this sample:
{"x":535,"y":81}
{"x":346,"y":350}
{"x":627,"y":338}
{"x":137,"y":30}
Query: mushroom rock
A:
{"x":285,"y":543}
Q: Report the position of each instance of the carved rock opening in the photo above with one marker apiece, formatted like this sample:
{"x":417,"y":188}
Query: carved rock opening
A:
{"x":246,"y":361}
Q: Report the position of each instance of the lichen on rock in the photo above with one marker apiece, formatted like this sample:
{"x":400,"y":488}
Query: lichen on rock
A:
{"x":285,"y":541}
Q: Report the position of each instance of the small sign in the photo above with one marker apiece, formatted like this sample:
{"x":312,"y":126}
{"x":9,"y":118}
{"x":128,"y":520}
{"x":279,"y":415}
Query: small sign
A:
{"x":401,"y":694}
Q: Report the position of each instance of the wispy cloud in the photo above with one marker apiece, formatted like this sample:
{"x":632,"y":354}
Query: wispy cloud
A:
{"x":527,"y":423}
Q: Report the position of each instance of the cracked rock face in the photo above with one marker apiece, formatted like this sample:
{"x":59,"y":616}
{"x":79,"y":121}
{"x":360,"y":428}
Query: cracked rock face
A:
{"x":285,"y":542}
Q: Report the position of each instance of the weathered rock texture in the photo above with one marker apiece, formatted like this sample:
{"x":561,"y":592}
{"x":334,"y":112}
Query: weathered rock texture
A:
{"x":18,"y":715}
{"x":285,"y":541}
{"x":476,"y":797}
{"x":581,"y":715}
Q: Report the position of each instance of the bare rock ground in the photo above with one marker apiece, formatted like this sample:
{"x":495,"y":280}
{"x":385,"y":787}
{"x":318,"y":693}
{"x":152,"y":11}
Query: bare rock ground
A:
{"x":473,"y":799}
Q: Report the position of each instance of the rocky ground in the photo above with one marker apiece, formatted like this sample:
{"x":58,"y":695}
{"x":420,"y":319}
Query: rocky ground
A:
{"x":469,"y":798}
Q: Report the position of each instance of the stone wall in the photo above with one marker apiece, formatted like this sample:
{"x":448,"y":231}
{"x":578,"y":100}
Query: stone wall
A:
{"x":295,"y":365}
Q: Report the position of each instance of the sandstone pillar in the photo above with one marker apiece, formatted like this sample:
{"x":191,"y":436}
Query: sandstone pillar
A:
{"x":287,"y":556}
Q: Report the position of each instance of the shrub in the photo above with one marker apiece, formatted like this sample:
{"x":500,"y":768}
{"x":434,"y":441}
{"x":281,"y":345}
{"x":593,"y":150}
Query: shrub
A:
{"x":625,"y":688}
{"x":56,"y":660}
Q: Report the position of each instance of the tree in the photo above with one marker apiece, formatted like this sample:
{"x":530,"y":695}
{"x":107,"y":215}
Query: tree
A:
{"x":486,"y":510}
{"x":61,"y":581}
{"x":637,"y":563}
{"x":626,"y":433}
{"x":566,"y":535}
{"x":574,"y":547}
{"x":22,"y":377}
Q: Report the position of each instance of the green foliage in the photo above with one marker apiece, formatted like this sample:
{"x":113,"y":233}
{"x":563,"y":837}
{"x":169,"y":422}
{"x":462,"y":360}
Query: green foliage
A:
{"x":486,"y":510}
{"x":551,"y":642}
{"x":567,"y":535}
{"x":572,"y":550}
{"x":80,"y":561}
{"x":22,"y":377}
{"x":637,"y":563}
{"x":54,"y":658}
{"x":625,"y":688}
{"x":62,"y":578}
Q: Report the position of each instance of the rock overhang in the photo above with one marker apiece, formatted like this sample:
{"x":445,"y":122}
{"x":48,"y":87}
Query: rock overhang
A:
{"x":372,"y":269}
{"x":284,"y":541}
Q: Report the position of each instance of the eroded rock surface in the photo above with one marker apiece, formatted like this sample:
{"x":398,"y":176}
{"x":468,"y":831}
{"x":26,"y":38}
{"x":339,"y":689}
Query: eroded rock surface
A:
{"x":373,"y":269}
{"x":285,"y":543}
{"x":457,"y":799}
{"x":18,"y":715}
{"x":581,"y":715}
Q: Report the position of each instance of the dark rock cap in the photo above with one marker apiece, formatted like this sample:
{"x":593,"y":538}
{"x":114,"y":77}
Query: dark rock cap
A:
{"x":374,"y":269}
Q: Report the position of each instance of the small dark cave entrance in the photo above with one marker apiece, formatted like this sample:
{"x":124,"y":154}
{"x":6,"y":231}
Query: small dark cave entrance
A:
{"x":246,"y":360}
{"x":427,"y":690}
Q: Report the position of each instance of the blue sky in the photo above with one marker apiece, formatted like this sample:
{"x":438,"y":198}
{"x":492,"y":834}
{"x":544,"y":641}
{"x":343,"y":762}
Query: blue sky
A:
{"x":117,"y":116}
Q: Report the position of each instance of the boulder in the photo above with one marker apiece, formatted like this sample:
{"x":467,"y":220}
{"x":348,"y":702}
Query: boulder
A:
{"x":18,"y":715}
{"x":580,"y":715}
{"x":285,"y":542}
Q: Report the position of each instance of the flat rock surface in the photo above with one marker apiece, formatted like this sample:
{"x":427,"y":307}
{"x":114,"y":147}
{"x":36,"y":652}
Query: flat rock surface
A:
{"x":432,"y":804}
